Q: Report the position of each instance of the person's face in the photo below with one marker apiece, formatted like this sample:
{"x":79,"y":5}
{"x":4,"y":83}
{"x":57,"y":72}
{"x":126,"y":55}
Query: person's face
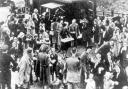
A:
{"x":47,"y":51}
{"x":101,"y":30}
{"x":124,"y":29}
{"x":53,"y":49}
{"x":95,"y":23}
{"x":109,"y":56}
{"x":30,"y":54}
{"x":61,"y":21}
{"x":98,"y":57}
{"x":91,"y":76}
{"x":111,"y":44}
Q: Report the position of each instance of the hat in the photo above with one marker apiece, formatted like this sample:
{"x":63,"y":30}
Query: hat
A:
{"x":4,"y":47}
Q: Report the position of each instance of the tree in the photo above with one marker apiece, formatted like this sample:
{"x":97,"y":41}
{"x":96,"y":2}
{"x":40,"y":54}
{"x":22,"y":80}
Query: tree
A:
{"x":106,"y":4}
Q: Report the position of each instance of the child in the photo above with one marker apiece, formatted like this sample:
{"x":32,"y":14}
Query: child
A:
{"x":90,"y":82}
{"x":108,"y":82}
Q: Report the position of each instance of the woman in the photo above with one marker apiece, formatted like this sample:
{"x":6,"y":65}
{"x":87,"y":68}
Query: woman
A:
{"x":30,"y":27}
{"x":25,"y":69}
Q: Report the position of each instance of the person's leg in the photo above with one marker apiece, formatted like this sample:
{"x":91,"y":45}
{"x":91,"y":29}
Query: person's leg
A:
{"x":77,"y":86}
{"x":8,"y":79}
{"x":75,"y":40}
{"x":70,"y":86}
{"x":0,"y":85}
{"x":3,"y":86}
{"x":9,"y":86}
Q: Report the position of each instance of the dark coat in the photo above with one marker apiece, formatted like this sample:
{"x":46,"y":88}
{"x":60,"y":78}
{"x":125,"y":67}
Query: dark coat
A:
{"x":44,"y":68}
{"x":108,"y":34}
{"x":104,"y":49}
{"x":96,"y":33}
{"x":5,"y":65}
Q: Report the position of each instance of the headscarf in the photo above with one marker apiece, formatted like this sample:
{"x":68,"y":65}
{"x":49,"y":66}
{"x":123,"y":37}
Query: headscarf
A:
{"x":44,"y":48}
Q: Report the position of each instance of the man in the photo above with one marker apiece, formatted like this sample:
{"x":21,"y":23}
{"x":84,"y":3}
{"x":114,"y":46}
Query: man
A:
{"x":36,"y":19}
{"x":5,"y":65}
{"x":105,"y":48}
{"x":108,"y":33}
{"x":96,"y":32}
{"x":44,"y":66}
{"x":54,"y":60}
{"x":60,"y":28}
{"x":74,"y":31}
{"x":124,"y":55}
{"x":73,"y":71}
{"x":99,"y":72}
{"x":21,"y":27}
{"x":53,"y":33}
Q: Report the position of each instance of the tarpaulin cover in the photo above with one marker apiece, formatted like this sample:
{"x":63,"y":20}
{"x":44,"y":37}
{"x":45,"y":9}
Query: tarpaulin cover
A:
{"x":51,"y":5}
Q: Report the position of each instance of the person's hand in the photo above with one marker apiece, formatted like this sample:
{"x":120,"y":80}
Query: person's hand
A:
{"x":65,"y":81}
{"x":116,"y":83}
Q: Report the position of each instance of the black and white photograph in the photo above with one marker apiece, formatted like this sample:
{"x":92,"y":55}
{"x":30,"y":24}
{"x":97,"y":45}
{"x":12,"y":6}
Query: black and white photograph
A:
{"x":63,"y":44}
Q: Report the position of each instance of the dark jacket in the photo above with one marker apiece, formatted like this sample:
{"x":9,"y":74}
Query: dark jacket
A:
{"x":5,"y":62}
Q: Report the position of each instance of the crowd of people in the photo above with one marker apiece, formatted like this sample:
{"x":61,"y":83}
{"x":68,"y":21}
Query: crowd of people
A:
{"x":33,"y":44}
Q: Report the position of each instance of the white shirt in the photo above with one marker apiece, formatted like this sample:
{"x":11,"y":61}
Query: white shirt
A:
{"x":90,"y":84}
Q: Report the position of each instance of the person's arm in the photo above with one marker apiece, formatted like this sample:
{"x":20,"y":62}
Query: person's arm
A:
{"x":100,"y":48}
{"x":78,"y":30}
{"x":51,"y":26}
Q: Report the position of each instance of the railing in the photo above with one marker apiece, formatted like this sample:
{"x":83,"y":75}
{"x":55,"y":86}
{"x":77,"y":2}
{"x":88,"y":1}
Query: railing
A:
{"x":109,"y":13}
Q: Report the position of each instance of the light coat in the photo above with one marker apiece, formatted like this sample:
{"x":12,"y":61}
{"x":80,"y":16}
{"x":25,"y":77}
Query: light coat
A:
{"x":25,"y":67}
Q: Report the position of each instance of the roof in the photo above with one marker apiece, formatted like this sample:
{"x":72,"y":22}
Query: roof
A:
{"x":51,"y":5}
{"x":70,"y":1}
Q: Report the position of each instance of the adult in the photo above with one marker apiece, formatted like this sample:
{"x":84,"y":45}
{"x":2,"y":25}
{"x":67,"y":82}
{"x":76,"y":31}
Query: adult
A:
{"x":25,"y":69}
{"x":5,"y":65}
{"x":73,"y":71}
{"x":21,"y":27}
{"x":105,"y":48}
{"x":30,"y":27}
{"x":60,"y":28}
{"x":96,"y":32}
{"x":99,"y":72}
{"x":36,"y":19}
{"x":54,"y":60}
{"x":44,"y":66}
{"x":124,"y":53}
{"x":53,"y":33}
{"x":74,"y":31}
